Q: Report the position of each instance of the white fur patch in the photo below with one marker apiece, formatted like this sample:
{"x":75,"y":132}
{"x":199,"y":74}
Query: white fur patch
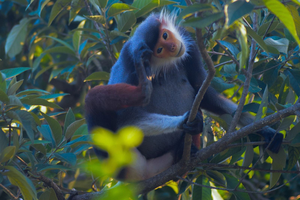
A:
{"x":162,"y":64}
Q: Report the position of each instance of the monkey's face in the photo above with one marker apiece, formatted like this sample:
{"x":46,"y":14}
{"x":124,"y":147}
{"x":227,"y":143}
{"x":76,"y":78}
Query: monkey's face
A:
{"x":168,"y":45}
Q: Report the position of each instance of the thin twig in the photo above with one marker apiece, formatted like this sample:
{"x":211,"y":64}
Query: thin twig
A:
{"x":9,"y":192}
{"x":248,"y":75}
{"x":229,"y":53}
{"x":223,"y":63}
{"x":105,"y":40}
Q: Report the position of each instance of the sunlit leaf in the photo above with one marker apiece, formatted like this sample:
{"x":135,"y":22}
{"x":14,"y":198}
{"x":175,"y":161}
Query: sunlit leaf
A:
{"x":278,"y":9}
{"x":131,"y":136}
{"x":118,"y":8}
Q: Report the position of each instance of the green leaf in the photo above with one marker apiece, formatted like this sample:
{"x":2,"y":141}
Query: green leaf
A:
{"x":32,"y":91}
{"x":293,"y":132}
{"x":70,"y":118}
{"x":125,"y":21}
{"x":40,"y":102}
{"x":281,"y":45}
{"x":46,"y":132}
{"x":242,"y":38}
{"x":59,"y":6}
{"x":73,"y":127}
{"x":118,"y":8}
{"x":295,"y":15}
{"x":49,"y":194}
{"x":3,"y":140}
{"x":52,"y":167}
{"x":258,"y":39}
{"x":294,"y":154}
{"x":232,"y":182}
{"x":286,"y":123}
{"x":12,"y":89}
{"x":202,"y":22}
{"x":102,"y":3}
{"x":3,"y":97}
{"x":77,"y":36}
{"x":67,"y":157}
{"x":232,"y":48}
{"x":61,"y":42}
{"x":28,"y":123}
{"x":201,"y":192}
{"x":16,"y":38}
{"x":145,"y":6}
{"x":55,"y":128}
{"x":7,"y":154}
{"x":237,"y":10}
{"x":76,"y":6}
{"x":278,"y":163}
{"x":194,"y":8}
{"x":11,"y":72}
{"x":60,"y":49}
{"x":22,"y":182}
{"x":53,"y":96}
{"x":278,"y":9}
{"x":264,"y":103}
{"x":248,"y":158}
{"x":102,"y":76}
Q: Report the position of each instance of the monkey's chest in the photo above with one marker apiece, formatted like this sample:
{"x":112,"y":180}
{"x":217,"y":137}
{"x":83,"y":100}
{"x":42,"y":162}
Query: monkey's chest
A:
{"x":171,"y":95}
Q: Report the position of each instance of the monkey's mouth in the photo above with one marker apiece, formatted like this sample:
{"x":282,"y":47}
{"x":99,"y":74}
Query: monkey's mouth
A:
{"x":181,"y":50}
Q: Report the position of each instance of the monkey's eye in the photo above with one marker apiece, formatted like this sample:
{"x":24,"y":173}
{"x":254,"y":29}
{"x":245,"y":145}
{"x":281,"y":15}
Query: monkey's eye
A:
{"x":165,"y":35}
{"x":159,"y":50}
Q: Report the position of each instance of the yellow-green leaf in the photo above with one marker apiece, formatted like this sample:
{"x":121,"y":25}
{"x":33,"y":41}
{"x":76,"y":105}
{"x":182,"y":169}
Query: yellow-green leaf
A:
{"x":278,"y":9}
{"x":118,"y":8}
{"x":7,"y":154}
{"x":22,"y":182}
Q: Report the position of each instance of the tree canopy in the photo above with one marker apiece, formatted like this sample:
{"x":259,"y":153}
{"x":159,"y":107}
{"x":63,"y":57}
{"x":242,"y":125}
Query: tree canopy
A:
{"x":53,"y":52}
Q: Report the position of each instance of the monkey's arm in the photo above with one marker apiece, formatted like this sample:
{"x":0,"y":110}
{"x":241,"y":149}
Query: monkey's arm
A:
{"x":156,"y":124}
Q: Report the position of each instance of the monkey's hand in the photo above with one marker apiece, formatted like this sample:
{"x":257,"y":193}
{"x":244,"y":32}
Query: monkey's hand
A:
{"x":142,"y":65}
{"x":195,"y":127}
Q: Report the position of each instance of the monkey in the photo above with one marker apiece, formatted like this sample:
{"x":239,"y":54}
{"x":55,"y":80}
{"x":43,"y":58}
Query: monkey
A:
{"x":152,"y":86}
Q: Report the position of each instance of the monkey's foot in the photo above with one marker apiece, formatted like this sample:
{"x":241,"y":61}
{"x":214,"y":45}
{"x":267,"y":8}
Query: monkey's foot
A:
{"x":268,"y":134}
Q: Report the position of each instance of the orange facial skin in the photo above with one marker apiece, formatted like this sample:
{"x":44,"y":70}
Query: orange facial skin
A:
{"x":168,"y":45}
